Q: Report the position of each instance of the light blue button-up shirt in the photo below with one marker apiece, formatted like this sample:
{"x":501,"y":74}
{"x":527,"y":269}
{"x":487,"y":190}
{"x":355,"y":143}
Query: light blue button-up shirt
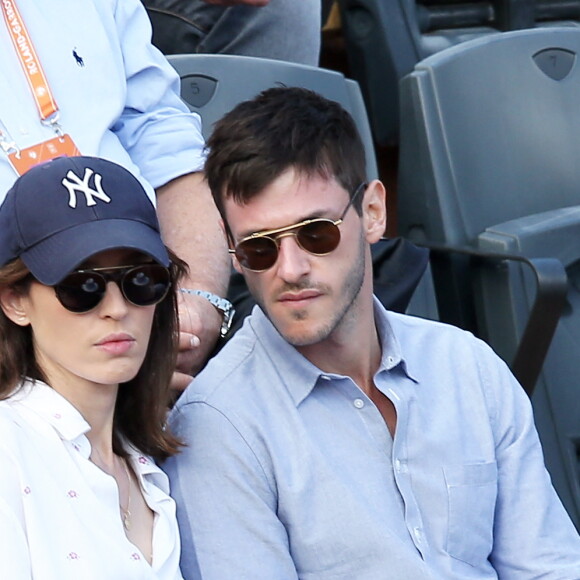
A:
{"x":118,"y":98}
{"x":292,"y":473}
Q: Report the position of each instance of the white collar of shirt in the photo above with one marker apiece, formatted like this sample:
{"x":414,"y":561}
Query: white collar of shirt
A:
{"x":39,"y":398}
{"x":52,"y":407}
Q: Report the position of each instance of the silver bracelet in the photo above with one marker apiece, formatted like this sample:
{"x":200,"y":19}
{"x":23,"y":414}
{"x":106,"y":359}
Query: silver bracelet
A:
{"x":223,"y":305}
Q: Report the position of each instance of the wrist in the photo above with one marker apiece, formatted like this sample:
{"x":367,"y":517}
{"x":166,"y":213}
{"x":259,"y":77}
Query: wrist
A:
{"x":223,"y":305}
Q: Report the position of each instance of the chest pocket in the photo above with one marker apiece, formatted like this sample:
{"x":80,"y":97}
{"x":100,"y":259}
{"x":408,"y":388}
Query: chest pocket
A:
{"x":472,"y":494}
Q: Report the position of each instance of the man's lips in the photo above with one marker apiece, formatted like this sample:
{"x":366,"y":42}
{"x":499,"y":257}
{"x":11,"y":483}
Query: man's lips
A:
{"x":298,"y":296}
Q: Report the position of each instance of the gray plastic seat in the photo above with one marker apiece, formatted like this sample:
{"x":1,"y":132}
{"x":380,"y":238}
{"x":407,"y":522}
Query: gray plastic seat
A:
{"x":213,"y":84}
{"x":490,"y":161}
{"x":386,"y":38}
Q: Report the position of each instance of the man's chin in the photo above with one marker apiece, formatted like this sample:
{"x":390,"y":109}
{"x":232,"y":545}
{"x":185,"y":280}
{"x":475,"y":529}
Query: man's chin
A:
{"x":302,"y":335}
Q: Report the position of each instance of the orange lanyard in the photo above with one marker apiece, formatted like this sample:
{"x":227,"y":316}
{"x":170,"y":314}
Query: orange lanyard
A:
{"x":30,"y":63}
{"x":22,"y":160}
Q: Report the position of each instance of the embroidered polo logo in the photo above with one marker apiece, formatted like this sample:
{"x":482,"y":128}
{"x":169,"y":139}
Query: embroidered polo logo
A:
{"x":78,"y":57}
{"x":75,"y":186}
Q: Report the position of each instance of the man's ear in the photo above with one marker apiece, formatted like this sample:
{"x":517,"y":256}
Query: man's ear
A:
{"x":12,"y":303}
{"x":374,"y":211}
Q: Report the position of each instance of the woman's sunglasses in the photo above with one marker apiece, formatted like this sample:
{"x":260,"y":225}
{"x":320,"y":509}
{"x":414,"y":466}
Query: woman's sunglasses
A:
{"x":320,"y":236}
{"x":142,"y":285}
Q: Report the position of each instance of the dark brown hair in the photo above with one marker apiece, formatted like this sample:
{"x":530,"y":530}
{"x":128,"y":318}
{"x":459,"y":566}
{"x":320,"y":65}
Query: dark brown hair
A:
{"x":142,"y":402}
{"x":283,"y":128}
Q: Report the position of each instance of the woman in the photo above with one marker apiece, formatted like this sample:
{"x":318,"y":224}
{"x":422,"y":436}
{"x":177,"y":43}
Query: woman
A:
{"x":88,"y":331}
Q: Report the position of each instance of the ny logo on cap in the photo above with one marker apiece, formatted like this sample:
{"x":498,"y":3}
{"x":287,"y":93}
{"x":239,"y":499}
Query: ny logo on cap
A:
{"x":74,"y":185}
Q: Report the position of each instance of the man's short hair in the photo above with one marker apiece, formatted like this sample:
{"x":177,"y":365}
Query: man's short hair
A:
{"x":280,"y":129}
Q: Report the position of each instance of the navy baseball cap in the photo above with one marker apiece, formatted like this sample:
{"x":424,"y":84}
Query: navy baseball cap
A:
{"x":60,"y":213}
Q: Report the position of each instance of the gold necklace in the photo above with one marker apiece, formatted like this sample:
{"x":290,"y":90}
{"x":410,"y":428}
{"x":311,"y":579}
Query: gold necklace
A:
{"x":127,"y":512}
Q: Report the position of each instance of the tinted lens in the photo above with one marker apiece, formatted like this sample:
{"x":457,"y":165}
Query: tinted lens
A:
{"x":260,"y":253}
{"x":141,"y":285}
{"x":319,"y":237}
{"x":146,"y":285}
{"x":257,"y":253}
{"x":81,"y":291}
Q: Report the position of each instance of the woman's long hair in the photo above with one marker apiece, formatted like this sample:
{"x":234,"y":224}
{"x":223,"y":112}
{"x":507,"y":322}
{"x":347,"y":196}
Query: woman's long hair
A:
{"x":142,"y":402}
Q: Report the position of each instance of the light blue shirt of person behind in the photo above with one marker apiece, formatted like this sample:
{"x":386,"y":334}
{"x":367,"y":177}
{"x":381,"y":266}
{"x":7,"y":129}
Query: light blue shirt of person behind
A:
{"x":118,"y":98}
{"x":292,"y":473}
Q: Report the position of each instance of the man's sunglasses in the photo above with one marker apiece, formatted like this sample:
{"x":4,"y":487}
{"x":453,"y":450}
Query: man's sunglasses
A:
{"x":320,"y":236}
{"x":142,"y":285}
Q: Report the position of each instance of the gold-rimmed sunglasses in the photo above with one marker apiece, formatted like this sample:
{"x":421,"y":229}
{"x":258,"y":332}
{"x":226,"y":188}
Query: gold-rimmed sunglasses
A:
{"x":319,"y":236}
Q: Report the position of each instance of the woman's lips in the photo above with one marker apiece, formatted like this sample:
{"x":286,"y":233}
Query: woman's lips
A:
{"x":116,"y":343}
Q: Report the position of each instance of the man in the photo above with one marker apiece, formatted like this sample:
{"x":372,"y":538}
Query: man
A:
{"x":330,"y":438}
{"x":114,"y":96}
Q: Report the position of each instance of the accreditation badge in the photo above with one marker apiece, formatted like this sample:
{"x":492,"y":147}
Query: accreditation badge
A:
{"x":60,"y":146}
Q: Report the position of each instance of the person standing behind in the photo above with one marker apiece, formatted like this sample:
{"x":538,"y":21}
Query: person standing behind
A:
{"x":88,"y":335}
{"x":331,"y":438}
{"x":81,"y":76}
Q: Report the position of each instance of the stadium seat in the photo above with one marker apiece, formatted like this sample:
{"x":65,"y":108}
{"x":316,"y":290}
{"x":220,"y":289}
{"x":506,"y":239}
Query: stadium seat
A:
{"x":386,"y":38}
{"x":490,"y":162}
{"x":213,"y":84}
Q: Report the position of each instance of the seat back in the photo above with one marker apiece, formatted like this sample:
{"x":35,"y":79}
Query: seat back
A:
{"x":213,"y":84}
{"x":385,"y":39}
{"x":489,"y":133}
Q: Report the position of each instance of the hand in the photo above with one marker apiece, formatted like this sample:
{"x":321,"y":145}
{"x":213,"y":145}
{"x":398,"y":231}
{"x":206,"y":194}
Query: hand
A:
{"x":234,"y":2}
{"x":199,"y":326}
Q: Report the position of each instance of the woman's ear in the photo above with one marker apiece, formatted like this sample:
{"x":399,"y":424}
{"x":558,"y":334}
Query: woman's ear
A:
{"x":374,"y":211}
{"x":12,"y":304}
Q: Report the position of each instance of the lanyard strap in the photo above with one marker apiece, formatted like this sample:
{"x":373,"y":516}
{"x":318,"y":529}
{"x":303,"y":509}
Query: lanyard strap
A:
{"x":35,"y":77}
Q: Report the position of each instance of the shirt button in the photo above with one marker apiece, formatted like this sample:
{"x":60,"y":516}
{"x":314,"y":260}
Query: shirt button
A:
{"x":418,"y":534}
{"x":401,"y":466}
{"x":325,"y":377}
{"x":358,"y":403}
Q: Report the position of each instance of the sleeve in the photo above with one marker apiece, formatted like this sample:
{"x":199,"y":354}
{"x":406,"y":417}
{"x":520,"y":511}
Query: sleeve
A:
{"x":533,"y":535}
{"x":14,"y":552}
{"x":226,"y":503}
{"x":156,"y":128}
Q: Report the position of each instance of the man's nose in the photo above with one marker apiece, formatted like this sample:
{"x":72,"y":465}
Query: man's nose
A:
{"x":293,"y":262}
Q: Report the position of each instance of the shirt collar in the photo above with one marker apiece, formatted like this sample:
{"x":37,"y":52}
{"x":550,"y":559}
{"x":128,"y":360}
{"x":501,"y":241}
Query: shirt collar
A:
{"x":295,"y":371}
{"x":392,"y":354}
{"x":52,"y":407}
{"x":70,"y":425}
{"x":147,"y":470}
{"x":301,"y":376}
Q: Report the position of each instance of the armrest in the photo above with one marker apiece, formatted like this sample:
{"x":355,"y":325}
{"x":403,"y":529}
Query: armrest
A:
{"x":551,"y":289}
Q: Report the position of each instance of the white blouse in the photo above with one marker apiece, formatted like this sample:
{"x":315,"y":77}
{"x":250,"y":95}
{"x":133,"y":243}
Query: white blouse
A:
{"x":59,"y":513}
